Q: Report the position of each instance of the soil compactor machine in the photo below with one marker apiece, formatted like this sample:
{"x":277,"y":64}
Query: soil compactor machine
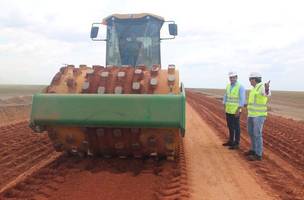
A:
{"x":130,"y":107}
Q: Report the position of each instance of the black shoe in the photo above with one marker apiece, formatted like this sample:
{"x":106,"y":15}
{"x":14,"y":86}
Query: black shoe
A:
{"x":235,"y":146}
{"x":228,"y":144}
{"x":254,"y":158}
{"x":249,"y":153}
{"x":258,"y":157}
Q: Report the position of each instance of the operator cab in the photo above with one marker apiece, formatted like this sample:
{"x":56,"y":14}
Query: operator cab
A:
{"x":133,"y":39}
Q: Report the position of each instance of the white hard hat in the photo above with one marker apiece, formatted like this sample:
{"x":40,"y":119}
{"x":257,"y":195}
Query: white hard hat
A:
{"x":255,"y":75}
{"x":231,"y":74}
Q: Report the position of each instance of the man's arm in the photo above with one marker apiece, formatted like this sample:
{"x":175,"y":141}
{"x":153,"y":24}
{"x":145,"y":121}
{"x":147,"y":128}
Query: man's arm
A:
{"x":242,"y":101}
{"x":224,"y":101}
{"x":224,"y":98}
{"x":242,"y":97}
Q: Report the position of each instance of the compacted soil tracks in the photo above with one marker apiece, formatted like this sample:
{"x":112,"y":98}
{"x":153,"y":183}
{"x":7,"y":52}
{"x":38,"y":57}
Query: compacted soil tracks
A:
{"x":282,"y":168}
{"x":30,"y":169}
{"x":20,"y":150}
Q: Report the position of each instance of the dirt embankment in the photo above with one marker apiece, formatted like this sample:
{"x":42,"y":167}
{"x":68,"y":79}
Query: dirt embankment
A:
{"x":283,"y":165}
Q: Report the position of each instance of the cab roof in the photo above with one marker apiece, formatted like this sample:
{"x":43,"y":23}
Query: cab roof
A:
{"x":131,"y":16}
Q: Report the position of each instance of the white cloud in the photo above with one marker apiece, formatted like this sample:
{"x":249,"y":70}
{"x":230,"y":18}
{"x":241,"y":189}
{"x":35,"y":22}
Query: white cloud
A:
{"x":215,"y":36}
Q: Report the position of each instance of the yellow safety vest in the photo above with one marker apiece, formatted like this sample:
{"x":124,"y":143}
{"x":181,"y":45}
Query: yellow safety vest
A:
{"x":232,"y":98}
{"x":257,"y":103}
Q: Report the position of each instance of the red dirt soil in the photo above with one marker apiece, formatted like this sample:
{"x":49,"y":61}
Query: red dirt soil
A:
{"x":214,"y":171}
{"x":13,"y":113}
{"x":84,"y":178}
{"x":20,"y":149}
{"x":280,"y":173}
{"x":283,"y":165}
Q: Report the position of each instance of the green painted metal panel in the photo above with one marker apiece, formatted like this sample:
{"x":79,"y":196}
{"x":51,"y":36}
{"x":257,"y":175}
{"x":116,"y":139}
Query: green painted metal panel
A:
{"x":110,"y":110}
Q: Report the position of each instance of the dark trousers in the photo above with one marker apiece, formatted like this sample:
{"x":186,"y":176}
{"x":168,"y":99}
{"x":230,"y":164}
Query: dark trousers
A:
{"x":233,"y":124}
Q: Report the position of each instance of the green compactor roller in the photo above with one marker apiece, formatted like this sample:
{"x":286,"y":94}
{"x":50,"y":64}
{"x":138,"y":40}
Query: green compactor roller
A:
{"x":130,"y":107}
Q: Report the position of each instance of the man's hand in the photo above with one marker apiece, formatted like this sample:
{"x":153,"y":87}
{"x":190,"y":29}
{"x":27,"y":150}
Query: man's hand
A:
{"x":238,"y":112}
{"x":267,"y":85}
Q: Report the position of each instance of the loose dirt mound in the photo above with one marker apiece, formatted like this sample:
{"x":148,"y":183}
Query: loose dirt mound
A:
{"x":14,"y":109}
{"x":12,"y":114}
{"x":17,"y":100}
{"x":283,"y":164}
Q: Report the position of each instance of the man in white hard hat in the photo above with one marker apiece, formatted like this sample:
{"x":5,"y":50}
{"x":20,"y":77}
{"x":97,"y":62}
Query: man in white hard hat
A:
{"x":257,"y":112}
{"x":234,"y":100}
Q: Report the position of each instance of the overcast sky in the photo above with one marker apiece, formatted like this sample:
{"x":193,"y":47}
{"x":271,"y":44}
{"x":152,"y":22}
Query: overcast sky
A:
{"x":37,"y":37}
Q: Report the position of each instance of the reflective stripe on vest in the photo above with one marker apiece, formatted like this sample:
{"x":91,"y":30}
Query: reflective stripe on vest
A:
{"x":232,"y":98}
{"x":257,"y":103}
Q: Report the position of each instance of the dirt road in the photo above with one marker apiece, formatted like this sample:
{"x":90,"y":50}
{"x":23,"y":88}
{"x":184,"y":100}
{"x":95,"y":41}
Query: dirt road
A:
{"x":216,"y":172}
{"x":283,"y":163}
